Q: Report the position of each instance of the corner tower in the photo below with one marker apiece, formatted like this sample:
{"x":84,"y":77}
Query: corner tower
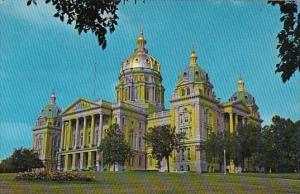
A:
{"x":46,"y":134}
{"x":140,"y":81}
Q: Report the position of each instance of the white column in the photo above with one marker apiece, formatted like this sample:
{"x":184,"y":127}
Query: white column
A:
{"x":84,"y":132}
{"x":81,"y":161}
{"x":92,"y":131}
{"x":62,"y":136}
{"x":97,"y":161}
{"x":100,"y":129}
{"x":66,"y":140}
{"x":76,"y":132}
{"x":243,"y":121}
{"x":236,"y":121}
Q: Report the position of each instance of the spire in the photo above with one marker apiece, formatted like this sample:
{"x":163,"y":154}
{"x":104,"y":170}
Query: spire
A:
{"x":52,"y":98}
{"x":241,"y":85}
{"x":141,"y":41}
{"x":193,"y":58}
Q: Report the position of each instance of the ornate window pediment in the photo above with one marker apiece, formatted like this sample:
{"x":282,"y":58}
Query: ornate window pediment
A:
{"x":184,"y":117}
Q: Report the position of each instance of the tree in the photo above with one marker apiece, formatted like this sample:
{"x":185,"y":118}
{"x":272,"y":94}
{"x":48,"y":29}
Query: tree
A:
{"x":21,"y":160}
{"x":288,"y":39}
{"x":280,"y":145}
{"x":162,"y":140}
{"x":214,"y":146}
{"x":114,"y":147}
{"x":245,"y":144}
{"x":296,"y":140}
{"x":265,"y":155}
{"x":96,"y":16}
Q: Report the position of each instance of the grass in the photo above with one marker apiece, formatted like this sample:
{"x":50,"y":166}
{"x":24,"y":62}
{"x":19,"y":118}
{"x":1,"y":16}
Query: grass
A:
{"x":154,"y":182}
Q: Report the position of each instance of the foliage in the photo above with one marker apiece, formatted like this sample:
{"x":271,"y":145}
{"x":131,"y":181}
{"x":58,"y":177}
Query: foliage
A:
{"x":214,"y":147}
{"x":288,"y":39}
{"x":21,"y":160}
{"x":275,"y":146}
{"x":245,"y":143}
{"x":114,"y":147}
{"x":163,"y":140}
{"x":53,"y":176}
{"x":281,"y":145}
{"x":96,"y":16}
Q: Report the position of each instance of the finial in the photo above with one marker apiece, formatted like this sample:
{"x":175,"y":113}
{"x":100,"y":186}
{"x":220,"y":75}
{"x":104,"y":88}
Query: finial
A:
{"x":241,"y":85}
{"x":142,"y":31}
{"x":53,"y":97}
{"x":141,"y":41}
{"x":193,"y":57}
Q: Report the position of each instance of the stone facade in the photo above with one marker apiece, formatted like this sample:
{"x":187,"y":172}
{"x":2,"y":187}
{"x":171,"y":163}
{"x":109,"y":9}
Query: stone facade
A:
{"x":195,"y":110}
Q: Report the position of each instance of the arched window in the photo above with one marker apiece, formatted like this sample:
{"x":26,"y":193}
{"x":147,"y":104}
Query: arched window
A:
{"x":189,"y":153}
{"x":188,"y":91}
{"x":182,"y":92}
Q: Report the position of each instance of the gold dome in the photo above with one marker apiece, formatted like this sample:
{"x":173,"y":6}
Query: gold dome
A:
{"x":140,"y":57}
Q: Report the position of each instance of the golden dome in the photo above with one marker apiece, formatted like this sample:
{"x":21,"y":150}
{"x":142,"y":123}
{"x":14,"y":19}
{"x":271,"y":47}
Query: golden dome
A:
{"x":140,"y":57}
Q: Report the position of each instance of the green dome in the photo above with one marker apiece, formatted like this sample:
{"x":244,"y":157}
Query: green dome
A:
{"x":50,"y":111}
{"x":193,"y":74}
{"x":242,"y":96}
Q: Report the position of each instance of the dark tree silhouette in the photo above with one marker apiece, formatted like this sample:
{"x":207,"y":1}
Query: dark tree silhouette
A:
{"x":288,"y":39}
{"x":23,"y":159}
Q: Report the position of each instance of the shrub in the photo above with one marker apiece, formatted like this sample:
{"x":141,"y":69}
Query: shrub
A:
{"x":53,"y":176}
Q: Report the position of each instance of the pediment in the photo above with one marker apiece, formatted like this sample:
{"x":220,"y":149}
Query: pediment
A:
{"x":242,"y":106}
{"x":182,"y":82}
{"x":80,"y":105}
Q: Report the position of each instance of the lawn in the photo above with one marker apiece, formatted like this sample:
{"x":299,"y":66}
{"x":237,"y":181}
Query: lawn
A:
{"x":154,"y":182}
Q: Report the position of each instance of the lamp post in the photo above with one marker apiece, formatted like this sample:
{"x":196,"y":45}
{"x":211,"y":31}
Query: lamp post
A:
{"x":225,"y":161}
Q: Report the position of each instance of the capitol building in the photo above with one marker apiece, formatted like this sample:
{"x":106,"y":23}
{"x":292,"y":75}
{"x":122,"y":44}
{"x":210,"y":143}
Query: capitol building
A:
{"x":69,"y":139}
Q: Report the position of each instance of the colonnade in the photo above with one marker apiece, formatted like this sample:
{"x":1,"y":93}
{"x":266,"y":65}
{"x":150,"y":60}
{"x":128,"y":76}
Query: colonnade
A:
{"x":80,"y":140}
{"x":234,"y":121}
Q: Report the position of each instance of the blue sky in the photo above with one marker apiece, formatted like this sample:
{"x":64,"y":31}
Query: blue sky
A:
{"x":39,"y":53}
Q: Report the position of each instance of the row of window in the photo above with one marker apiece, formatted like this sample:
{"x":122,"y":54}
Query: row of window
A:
{"x":185,"y":91}
{"x":132,"y":93}
{"x":137,"y":78}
